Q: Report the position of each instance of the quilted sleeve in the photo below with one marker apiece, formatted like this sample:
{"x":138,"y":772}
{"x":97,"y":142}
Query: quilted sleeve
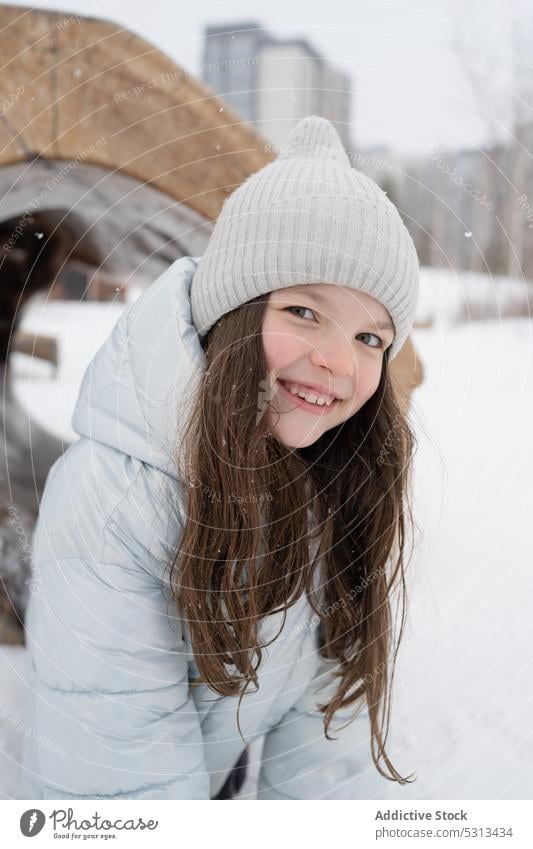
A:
{"x":112,"y":712}
{"x":298,"y":762}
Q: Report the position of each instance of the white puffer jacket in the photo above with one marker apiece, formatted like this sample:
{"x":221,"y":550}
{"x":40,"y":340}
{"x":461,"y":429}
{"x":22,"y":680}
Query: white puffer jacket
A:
{"x":111,"y":662}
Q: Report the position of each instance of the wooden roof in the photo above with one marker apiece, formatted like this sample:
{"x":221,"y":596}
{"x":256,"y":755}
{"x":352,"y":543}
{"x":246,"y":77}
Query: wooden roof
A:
{"x":82,"y":89}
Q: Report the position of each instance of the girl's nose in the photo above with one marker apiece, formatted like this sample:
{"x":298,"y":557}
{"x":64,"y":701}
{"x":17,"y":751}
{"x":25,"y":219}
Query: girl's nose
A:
{"x":337,"y":355}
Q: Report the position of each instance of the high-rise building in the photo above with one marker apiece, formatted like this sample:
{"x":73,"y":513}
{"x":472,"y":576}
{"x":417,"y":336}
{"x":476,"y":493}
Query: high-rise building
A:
{"x":273,"y":82}
{"x":230,"y":64}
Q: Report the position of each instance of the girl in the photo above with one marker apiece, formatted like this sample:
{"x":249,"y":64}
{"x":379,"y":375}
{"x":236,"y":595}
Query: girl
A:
{"x":218,"y":550}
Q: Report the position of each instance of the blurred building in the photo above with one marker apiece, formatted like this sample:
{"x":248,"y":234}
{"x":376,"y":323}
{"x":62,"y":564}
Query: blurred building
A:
{"x":458,"y":206}
{"x":469,"y":209}
{"x":272,"y":82}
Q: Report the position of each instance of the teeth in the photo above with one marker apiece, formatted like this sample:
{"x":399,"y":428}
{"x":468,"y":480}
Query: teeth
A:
{"x":310,"y":396}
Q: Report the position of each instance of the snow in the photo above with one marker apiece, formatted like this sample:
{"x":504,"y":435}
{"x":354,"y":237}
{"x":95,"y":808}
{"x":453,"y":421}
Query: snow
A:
{"x":463,"y":690}
{"x":81,"y":329}
{"x":449,"y":297}
{"x":13,"y":718}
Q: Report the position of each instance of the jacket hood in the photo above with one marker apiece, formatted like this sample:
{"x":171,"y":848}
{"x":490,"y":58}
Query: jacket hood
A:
{"x":136,"y":391}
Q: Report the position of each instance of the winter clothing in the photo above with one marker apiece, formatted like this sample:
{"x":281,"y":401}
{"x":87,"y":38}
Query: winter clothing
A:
{"x":308,"y":217}
{"x":235,"y":779}
{"x":113,"y":711}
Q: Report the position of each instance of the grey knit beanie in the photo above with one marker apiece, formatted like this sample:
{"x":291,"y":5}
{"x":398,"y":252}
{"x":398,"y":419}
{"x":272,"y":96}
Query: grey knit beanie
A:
{"x":307,"y":217}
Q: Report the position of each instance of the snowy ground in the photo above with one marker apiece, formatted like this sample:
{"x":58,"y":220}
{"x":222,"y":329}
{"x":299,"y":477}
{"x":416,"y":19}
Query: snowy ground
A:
{"x":464,"y":688}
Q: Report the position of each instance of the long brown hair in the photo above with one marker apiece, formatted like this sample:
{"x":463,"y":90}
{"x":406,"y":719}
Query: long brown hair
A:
{"x":244,"y":551}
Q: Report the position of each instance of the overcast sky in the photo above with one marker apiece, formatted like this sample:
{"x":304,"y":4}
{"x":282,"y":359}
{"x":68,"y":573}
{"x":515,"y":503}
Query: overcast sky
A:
{"x":409,"y":88}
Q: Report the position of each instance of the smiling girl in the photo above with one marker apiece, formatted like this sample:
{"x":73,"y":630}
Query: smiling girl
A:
{"x":219,"y":550}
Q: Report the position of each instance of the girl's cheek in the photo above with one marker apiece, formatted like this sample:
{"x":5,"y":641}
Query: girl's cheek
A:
{"x":373,"y":382}
{"x":368,"y":383}
{"x":281,"y":349}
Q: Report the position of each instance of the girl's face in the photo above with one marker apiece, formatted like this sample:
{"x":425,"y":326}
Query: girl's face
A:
{"x":329,"y":341}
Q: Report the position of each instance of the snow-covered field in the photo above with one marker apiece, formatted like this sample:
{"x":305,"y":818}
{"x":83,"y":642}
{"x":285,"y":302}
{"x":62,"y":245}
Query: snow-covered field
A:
{"x":465,"y":688}
{"x":464,"y":684}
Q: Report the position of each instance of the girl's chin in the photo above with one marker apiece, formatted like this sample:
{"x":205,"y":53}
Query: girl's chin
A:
{"x":295,"y":440}
{"x":299,"y":436}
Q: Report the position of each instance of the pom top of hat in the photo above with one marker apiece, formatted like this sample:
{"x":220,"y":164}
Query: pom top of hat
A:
{"x":314,"y":138}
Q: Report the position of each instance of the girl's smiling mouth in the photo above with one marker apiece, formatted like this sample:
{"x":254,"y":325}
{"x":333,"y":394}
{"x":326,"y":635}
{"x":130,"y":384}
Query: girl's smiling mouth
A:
{"x":308,"y":406}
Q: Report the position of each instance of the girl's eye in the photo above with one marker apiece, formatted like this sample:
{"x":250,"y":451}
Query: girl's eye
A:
{"x":380,"y":341}
{"x":300,"y":308}
{"x":373,"y":335}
